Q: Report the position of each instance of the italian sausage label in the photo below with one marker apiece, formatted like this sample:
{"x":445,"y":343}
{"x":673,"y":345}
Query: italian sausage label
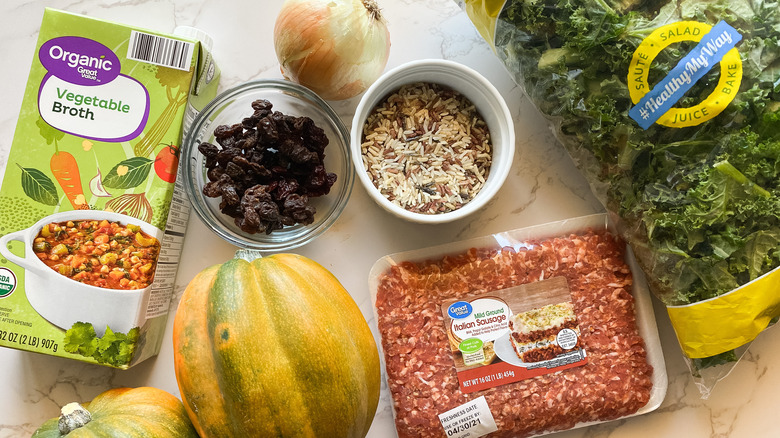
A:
{"x":469,"y":420}
{"x":513,"y":334}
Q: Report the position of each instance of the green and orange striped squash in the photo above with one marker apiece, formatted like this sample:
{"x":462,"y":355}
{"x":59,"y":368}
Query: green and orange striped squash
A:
{"x":274,"y":347}
{"x":143,"y":412}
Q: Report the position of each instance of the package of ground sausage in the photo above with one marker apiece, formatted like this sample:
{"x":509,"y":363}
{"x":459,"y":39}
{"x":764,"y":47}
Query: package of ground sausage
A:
{"x":518,"y":334}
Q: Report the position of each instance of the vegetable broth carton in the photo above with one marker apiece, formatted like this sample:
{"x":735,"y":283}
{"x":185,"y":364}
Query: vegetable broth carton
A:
{"x":91,"y":216}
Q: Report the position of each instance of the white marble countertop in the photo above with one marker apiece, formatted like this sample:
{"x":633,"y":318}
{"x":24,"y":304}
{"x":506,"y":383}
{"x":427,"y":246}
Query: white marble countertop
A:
{"x":543,"y":186}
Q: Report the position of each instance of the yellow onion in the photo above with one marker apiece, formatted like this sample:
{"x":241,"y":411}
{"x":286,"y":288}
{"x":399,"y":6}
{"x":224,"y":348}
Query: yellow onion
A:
{"x":336,"y":48}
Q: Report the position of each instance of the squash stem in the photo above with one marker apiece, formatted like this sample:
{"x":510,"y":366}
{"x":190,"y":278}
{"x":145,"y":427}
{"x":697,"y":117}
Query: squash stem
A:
{"x":248,"y":254}
{"x":72,"y":417}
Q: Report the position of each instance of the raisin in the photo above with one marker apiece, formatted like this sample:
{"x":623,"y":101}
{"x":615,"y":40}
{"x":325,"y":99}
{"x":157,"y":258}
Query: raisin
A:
{"x":234,"y":171}
{"x":230,"y":196}
{"x":286,"y":188}
{"x":319,"y":181}
{"x":262,"y":105}
{"x":297,"y":152}
{"x":214,"y":173}
{"x":213,"y":189}
{"x":267,"y":130}
{"x":296,"y":206}
{"x":208,"y":150}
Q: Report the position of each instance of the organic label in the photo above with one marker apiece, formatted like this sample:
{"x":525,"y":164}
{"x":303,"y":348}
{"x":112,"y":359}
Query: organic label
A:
{"x":7,"y":282}
{"x":79,"y":61}
{"x":716,"y":46}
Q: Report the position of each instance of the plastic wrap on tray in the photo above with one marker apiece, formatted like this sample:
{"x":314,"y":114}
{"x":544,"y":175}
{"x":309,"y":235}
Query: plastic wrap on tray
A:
{"x":518,"y":334}
{"x":672,"y":111}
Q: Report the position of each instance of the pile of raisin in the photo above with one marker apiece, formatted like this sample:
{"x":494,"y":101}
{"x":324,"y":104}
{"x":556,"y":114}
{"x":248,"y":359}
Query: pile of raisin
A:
{"x":266,"y":169}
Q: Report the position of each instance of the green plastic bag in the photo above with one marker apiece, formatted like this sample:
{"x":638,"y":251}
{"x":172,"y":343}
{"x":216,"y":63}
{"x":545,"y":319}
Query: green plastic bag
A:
{"x":672,"y":111}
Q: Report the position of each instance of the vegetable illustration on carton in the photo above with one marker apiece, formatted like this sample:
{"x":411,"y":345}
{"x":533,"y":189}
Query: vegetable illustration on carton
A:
{"x":103,"y":102}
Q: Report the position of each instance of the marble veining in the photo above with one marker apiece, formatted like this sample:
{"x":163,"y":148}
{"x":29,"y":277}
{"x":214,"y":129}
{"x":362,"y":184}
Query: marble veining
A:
{"x":543,"y":186}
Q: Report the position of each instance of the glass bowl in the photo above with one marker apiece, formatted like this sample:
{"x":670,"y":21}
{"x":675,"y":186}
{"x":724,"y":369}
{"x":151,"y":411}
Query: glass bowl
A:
{"x":229,"y":108}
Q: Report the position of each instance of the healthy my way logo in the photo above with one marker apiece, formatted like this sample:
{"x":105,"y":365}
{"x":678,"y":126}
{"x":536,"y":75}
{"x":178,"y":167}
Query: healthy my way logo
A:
{"x":716,"y":45}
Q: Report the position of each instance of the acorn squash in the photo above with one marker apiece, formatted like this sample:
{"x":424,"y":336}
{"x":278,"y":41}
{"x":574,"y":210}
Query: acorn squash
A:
{"x":122,"y":412}
{"x":274,"y":347}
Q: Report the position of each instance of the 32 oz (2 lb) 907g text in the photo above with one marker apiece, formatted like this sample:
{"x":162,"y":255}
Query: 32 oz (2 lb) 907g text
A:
{"x":22,"y":339}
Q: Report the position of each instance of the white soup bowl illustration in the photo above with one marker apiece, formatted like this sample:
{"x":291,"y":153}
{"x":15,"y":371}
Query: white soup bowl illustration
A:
{"x":64,"y":301}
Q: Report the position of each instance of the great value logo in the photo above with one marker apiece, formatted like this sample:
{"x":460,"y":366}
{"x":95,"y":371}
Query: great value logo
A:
{"x":716,"y":45}
{"x":79,"y":60}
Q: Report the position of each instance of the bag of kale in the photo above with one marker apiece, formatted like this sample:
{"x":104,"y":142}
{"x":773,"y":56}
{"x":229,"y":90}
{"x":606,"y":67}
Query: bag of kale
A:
{"x":671,"y":109}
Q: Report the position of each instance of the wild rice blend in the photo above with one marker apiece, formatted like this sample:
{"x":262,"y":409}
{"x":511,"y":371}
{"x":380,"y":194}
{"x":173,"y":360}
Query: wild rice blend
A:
{"x":426,"y":148}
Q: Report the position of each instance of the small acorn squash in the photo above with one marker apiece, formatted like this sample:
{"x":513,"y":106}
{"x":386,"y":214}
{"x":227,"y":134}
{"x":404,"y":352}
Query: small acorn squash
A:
{"x":122,"y":412}
{"x":274,"y":347}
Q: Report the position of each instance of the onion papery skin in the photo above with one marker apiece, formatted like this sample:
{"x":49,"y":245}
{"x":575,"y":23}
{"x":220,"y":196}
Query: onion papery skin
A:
{"x":336,"y":48}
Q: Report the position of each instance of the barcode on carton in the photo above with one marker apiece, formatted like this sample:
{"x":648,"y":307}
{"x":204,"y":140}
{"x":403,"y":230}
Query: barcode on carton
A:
{"x":158,"y":50}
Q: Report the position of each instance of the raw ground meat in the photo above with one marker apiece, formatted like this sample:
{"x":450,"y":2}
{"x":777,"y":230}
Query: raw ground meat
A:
{"x":614,"y":383}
